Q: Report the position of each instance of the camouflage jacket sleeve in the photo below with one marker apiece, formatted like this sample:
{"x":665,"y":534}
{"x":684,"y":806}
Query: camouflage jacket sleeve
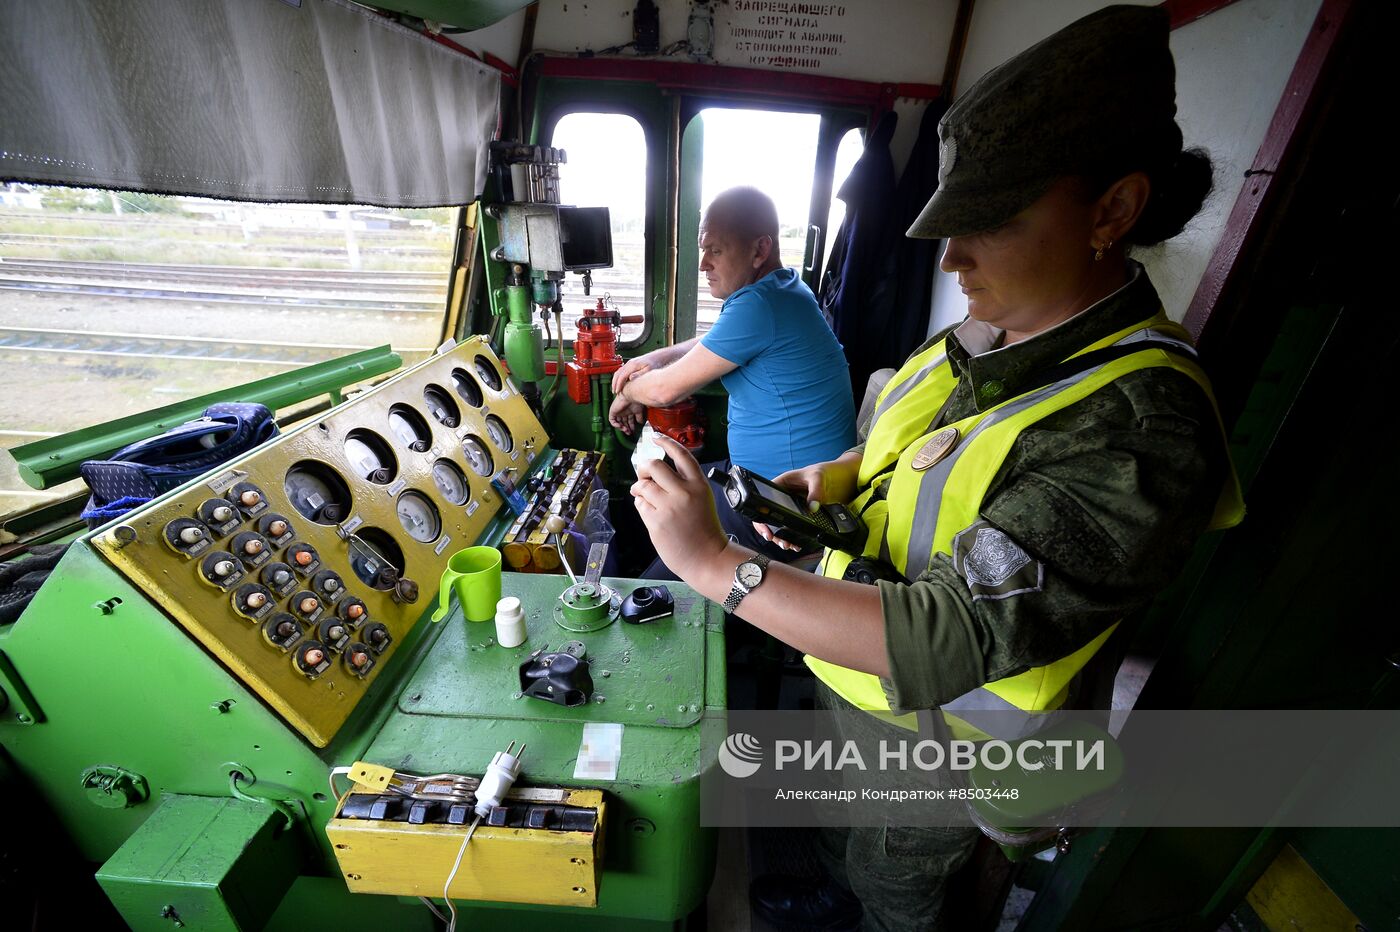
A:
{"x":1106,"y":498}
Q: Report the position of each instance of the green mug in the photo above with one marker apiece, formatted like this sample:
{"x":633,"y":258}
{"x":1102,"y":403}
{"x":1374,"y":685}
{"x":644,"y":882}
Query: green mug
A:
{"x":475,"y":575}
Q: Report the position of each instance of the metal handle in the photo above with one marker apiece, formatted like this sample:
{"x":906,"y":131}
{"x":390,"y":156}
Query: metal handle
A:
{"x":809,"y":253}
{"x":559,"y":546}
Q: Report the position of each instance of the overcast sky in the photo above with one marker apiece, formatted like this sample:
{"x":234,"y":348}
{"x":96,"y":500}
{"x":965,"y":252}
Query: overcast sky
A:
{"x":772,"y":151}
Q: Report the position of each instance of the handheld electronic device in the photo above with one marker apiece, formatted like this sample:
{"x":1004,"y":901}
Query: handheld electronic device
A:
{"x":760,"y":500}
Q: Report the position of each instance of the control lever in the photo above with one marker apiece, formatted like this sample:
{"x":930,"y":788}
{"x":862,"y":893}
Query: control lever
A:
{"x":593,"y":571}
{"x":555,"y":525}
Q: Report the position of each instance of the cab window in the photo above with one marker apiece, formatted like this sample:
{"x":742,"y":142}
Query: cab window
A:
{"x":772,"y":151}
{"x":847,"y":154}
{"x":113,"y":303}
{"x":607,"y":167}
{"x":794,"y":157}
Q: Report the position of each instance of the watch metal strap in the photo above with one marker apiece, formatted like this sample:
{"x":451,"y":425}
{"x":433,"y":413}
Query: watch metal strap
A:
{"x":736,"y":592}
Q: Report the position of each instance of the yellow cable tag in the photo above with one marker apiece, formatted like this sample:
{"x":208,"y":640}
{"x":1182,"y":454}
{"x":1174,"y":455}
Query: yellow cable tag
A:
{"x":374,"y":776}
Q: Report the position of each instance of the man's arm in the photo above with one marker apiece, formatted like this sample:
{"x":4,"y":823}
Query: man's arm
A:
{"x":653,"y":360}
{"x":681,"y":379}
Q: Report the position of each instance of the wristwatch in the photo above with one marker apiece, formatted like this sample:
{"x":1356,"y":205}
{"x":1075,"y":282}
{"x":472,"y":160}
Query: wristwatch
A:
{"x":747,"y":577}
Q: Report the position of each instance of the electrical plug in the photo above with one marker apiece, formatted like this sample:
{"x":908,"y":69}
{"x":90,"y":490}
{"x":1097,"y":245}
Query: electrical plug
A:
{"x":498,"y":779}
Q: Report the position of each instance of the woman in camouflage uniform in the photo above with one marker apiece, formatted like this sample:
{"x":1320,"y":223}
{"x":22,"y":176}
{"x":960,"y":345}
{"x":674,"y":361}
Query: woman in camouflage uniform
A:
{"x":1029,"y":477}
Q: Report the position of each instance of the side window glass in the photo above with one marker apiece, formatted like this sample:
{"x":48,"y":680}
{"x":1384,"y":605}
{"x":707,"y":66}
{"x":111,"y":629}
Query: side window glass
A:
{"x":114,"y":302}
{"x":607,"y":167}
{"x":772,"y":151}
{"x":847,"y":154}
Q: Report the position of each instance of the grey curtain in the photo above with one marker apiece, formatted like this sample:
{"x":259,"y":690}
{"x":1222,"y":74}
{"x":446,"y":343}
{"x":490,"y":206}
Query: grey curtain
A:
{"x":316,"y":101}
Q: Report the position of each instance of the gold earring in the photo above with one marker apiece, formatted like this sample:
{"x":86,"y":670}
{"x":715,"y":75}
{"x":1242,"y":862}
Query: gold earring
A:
{"x":1099,"y":250}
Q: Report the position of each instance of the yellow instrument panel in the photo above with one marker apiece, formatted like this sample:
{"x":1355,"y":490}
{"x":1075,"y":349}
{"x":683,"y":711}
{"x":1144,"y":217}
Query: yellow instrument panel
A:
{"x":303,"y":565}
{"x":550,"y":863}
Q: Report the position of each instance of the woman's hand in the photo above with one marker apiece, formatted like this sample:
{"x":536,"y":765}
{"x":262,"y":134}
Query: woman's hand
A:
{"x":678,"y":509}
{"x":832,"y":482}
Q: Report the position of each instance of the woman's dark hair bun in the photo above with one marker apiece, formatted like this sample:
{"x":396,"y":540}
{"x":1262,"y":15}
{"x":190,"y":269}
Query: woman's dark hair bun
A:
{"x":1179,"y":188}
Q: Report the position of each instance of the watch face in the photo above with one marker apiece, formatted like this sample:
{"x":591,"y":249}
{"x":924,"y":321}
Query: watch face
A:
{"x":750,"y":574}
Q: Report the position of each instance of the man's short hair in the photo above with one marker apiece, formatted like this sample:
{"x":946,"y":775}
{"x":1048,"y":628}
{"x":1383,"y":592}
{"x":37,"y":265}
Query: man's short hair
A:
{"x":745,"y":212}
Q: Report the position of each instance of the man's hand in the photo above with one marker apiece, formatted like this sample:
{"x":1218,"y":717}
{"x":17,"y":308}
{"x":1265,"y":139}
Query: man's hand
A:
{"x":630,"y":369}
{"x":678,"y":509}
{"x":626,"y":415}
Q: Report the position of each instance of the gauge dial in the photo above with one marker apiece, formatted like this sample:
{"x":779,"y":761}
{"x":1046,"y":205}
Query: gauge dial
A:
{"x":370,"y":457}
{"x":375,"y":558}
{"x":317,"y":492}
{"x":467,"y":388}
{"x":451,"y":482}
{"x":409,"y":428}
{"x":419,"y":516}
{"x":441,"y":406}
{"x":478,"y":458}
{"x":488,"y":372}
{"x":499,"y":433}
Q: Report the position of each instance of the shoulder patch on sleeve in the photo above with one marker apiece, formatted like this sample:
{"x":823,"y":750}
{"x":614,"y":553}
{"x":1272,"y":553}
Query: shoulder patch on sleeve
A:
{"x":993,"y":565}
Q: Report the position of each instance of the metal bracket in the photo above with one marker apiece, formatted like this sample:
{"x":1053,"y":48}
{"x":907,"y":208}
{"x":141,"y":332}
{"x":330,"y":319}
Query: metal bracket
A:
{"x":17,"y":705}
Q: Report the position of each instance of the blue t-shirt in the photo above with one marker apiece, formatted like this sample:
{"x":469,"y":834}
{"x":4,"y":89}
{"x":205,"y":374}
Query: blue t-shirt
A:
{"x":790,"y":399}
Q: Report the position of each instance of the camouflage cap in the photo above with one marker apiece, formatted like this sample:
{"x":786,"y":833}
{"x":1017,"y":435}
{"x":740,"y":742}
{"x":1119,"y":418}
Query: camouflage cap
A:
{"x":1099,"y":91}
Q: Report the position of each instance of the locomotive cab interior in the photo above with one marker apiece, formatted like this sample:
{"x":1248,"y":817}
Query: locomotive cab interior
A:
{"x":264,"y":694}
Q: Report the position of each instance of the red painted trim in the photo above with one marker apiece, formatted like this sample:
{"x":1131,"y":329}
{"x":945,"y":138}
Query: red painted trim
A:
{"x":508,"y":75}
{"x":504,"y":67}
{"x":1188,"y":11}
{"x":443,"y":40}
{"x":1295,"y":108}
{"x":723,"y":79}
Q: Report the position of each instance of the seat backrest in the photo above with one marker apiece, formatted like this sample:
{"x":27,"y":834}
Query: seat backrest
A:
{"x":878,"y":380}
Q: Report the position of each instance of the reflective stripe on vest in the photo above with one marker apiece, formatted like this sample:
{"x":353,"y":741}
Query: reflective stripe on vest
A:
{"x":923,"y":512}
{"x":903,"y":410}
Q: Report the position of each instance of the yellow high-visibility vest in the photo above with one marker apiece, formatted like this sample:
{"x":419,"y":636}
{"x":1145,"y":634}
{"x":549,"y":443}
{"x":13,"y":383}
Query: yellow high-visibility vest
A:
{"x":922,"y":511}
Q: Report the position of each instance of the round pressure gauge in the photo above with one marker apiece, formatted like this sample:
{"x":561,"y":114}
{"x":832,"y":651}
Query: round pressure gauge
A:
{"x":369,"y":455}
{"x":451,"y":482}
{"x":488,"y":372}
{"x":478,"y":458}
{"x":467,"y":388}
{"x":499,"y":433}
{"x":441,"y":406}
{"x":376,"y":560}
{"x":419,"y":516}
{"x":317,"y":492}
{"x":409,"y":428}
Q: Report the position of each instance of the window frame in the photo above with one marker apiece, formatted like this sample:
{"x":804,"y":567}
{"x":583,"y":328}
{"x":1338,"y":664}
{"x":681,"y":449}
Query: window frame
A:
{"x":558,"y":98}
{"x":836,"y":121}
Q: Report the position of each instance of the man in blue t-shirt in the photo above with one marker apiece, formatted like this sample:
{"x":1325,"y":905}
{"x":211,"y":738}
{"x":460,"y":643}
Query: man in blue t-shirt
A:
{"x":790,"y":399}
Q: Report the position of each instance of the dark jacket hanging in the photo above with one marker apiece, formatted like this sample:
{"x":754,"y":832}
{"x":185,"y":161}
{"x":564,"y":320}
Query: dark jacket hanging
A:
{"x":879,"y":284}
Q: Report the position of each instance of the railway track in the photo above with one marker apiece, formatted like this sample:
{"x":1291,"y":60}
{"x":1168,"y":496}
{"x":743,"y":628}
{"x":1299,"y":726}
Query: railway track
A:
{"x":282,"y":252}
{"x":232,"y":275}
{"x":389,"y":292}
{"x":163,"y":346}
{"x":242,"y":287}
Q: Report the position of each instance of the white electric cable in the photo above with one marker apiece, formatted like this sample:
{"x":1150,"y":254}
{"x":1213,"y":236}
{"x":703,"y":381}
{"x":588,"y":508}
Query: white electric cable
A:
{"x":495,"y":783}
{"x":433,"y":909}
{"x":451,"y":908}
{"x":338,"y":772}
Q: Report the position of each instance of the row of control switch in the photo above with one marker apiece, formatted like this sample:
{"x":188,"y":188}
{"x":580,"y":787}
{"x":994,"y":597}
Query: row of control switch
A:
{"x":225,"y":570}
{"x":395,"y":808}
{"x":313,"y":657}
{"x":258,"y":600}
{"x":219,"y":517}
